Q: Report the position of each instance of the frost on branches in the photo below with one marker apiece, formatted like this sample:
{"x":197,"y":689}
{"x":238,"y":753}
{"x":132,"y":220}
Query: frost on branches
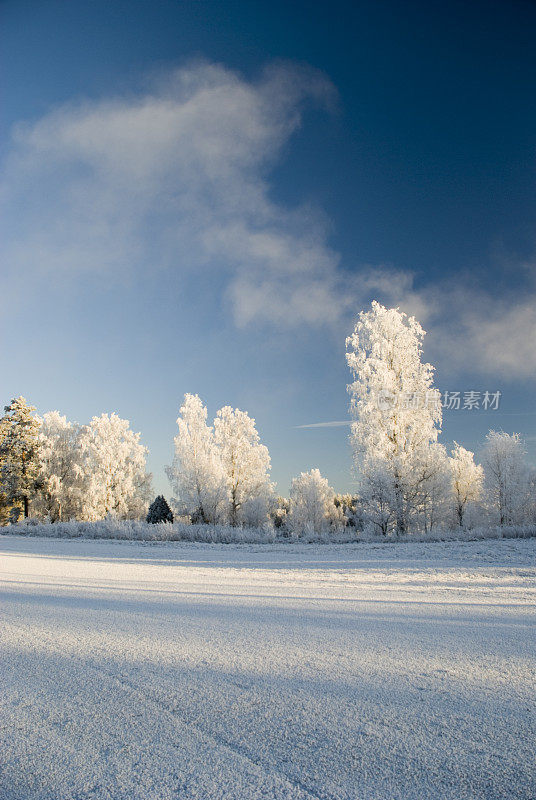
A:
{"x":113,"y":459}
{"x":197,"y":475}
{"x":312,"y":505}
{"x":220,"y":473}
{"x":508,"y":478}
{"x":61,"y":469}
{"x":467,"y":481}
{"x":398,"y":417}
{"x":246,"y":465}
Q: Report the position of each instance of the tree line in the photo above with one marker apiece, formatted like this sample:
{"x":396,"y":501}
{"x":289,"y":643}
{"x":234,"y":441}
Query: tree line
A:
{"x":54,"y":469}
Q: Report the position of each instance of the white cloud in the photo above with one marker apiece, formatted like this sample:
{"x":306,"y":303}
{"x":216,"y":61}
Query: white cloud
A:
{"x":472,"y":327}
{"x":500,"y":338}
{"x":177,"y":178}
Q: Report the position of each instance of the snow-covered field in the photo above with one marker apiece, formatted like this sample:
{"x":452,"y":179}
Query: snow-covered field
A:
{"x":178,"y":670}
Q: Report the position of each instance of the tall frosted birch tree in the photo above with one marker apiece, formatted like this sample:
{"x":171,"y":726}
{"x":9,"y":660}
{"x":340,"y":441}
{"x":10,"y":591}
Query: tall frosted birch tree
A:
{"x":507,"y":476}
{"x":197,"y":475}
{"x":467,"y":481}
{"x":63,"y":483}
{"x":396,"y":409}
{"x":246,"y":464}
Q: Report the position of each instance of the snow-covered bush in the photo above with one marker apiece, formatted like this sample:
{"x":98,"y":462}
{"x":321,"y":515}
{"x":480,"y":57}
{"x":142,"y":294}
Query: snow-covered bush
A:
{"x":279,"y":515}
{"x":136,"y":530}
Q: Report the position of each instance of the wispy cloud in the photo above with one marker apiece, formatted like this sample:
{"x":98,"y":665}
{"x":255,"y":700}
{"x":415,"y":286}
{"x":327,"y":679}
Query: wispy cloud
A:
{"x":178,"y":178}
{"x":471,"y":326}
{"x":482,"y":330}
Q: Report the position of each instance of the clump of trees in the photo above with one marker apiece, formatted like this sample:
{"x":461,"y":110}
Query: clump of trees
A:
{"x":406,"y":479}
{"x":220,"y":472}
{"x":58,"y":470}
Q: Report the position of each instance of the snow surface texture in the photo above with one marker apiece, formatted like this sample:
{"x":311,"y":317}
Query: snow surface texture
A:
{"x":174,"y":670}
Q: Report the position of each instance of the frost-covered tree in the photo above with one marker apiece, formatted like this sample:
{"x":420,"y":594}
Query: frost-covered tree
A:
{"x":61,"y":469}
{"x":431,"y":486}
{"x":4,"y":507}
{"x":351,"y":509}
{"x":531,"y":496}
{"x":246,"y":464}
{"x":159,"y":511}
{"x":507,"y":476}
{"x":197,"y":475}
{"x":467,"y":481}
{"x":312,"y":504}
{"x":279,"y":512}
{"x":396,"y":408}
{"x":114,"y":463}
{"x":19,"y":456}
{"x":377,"y":498}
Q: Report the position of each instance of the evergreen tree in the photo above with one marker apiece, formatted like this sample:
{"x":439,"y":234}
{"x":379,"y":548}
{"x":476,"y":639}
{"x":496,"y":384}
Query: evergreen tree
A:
{"x":159,"y":511}
{"x":4,"y":507}
{"x":19,"y":456}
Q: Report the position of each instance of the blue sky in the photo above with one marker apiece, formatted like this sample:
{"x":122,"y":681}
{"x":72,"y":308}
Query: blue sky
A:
{"x":200,"y":197}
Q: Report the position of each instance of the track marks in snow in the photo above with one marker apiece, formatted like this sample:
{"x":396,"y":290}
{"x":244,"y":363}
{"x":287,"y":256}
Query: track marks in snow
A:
{"x":187,"y":672}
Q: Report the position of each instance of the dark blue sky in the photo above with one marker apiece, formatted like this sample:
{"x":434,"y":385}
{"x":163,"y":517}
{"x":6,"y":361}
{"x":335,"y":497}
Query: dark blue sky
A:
{"x":419,"y":167}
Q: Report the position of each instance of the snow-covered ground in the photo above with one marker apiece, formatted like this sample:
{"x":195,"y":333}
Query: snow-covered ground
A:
{"x":175,"y":670}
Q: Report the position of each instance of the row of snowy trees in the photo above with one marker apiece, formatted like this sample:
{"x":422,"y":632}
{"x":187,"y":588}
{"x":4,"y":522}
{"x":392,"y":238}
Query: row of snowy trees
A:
{"x":221,"y":475}
{"x":60,"y":470}
{"x":405,"y":479}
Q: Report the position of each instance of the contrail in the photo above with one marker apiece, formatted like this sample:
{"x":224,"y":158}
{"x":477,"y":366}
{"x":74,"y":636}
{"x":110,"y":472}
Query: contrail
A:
{"x":333,"y":424}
